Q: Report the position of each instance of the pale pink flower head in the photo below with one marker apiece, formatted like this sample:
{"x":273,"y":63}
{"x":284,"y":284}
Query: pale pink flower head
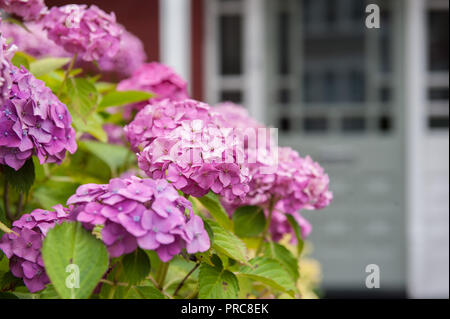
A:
{"x":89,"y":32}
{"x":144,"y":213}
{"x":23,"y":246}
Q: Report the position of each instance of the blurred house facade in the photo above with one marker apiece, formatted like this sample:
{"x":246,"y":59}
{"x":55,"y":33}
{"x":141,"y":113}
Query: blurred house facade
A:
{"x":371,"y":105}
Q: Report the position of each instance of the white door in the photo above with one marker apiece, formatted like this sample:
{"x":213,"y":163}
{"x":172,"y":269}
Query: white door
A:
{"x":336,"y":95}
{"x":333,"y":88}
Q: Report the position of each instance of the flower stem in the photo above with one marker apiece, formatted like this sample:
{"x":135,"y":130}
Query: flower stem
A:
{"x":66,"y":74}
{"x":161,"y":275}
{"x":6,"y":201}
{"x":185,"y":278}
{"x":266,"y":227}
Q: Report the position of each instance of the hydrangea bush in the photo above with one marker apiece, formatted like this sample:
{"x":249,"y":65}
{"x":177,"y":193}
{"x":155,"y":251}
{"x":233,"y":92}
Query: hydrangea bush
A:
{"x":116,"y":184}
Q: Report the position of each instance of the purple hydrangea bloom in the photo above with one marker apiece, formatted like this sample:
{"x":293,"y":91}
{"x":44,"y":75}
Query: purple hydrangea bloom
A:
{"x":27,"y":9}
{"x":32,"y":121}
{"x":140,"y":212}
{"x":89,"y":32}
{"x":155,"y":78}
{"x":23,"y":246}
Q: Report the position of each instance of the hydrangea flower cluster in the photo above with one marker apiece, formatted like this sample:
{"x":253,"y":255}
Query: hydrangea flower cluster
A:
{"x":89,"y":32}
{"x":140,"y":212}
{"x":161,"y":117}
{"x":23,"y":245}
{"x":35,"y":43}
{"x":280,"y":175}
{"x":33,"y":121}
{"x":184,"y":142}
{"x":155,"y":78}
{"x":27,"y":9}
{"x":294,"y":183}
{"x":130,"y":57}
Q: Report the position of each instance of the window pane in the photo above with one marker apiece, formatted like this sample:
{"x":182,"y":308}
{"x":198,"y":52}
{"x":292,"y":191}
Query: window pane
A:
{"x":283,"y":43}
{"x":438,"y":40}
{"x":353,"y":124}
{"x":315,"y":124}
{"x":231,"y":44}
{"x":231,"y":96}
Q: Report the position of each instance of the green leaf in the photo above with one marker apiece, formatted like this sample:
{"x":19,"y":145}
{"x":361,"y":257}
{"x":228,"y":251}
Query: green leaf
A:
{"x":284,"y":257}
{"x":212,"y":204}
{"x":249,"y":221}
{"x":118,"y":98}
{"x":70,"y":244}
{"x":92,"y":125}
{"x":21,"y":59}
{"x":144,"y":292}
{"x":23,"y":178}
{"x":115,"y":156}
{"x":217,"y":283}
{"x":47,"y":65}
{"x":83,"y":95}
{"x":298,"y":233}
{"x":269,"y":272}
{"x":227,"y":243}
{"x":104,"y":87}
{"x":136,"y":266}
{"x":49,"y":293}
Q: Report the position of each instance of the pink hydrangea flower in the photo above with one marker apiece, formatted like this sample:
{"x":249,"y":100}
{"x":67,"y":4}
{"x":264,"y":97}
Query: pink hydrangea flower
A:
{"x":278,"y":175}
{"x":161,"y":117}
{"x":155,"y":78}
{"x":129,"y":58}
{"x":186,"y":144}
{"x":35,"y":43}
{"x":89,"y":32}
{"x":23,"y":246}
{"x":27,"y":9}
{"x":32,"y":121}
{"x":140,"y":212}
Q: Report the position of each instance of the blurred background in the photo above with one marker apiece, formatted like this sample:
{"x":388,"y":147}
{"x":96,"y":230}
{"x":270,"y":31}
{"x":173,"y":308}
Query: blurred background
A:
{"x":370,"y":104}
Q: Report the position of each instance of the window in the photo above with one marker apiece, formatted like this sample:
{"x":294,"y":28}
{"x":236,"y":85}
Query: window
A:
{"x":438,"y":111}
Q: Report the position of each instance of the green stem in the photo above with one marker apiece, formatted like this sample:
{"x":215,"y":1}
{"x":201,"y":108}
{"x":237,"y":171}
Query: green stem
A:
{"x":185,"y":278}
{"x":66,"y":74}
{"x":161,"y":275}
{"x":19,"y":205}
{"x":6,"y":201}
{"x":266,"y":227}
{"x":112,"y":291}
